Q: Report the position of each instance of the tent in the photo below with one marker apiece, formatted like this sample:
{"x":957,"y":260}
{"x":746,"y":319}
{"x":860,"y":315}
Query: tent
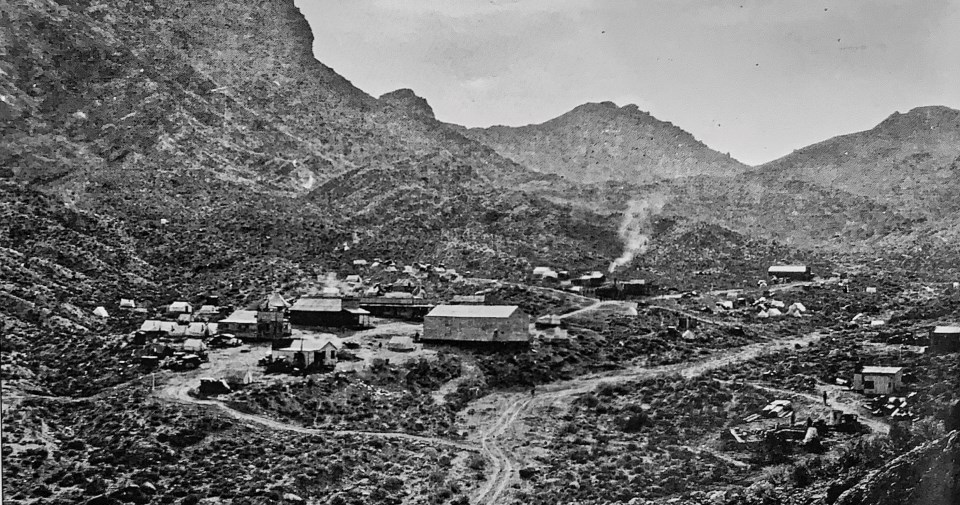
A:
{"x":100,"y":312}
{"x":774,"y":312}
{"x":194,"y":345}
{"x":127,"y":303}
{"x":401,"y":344}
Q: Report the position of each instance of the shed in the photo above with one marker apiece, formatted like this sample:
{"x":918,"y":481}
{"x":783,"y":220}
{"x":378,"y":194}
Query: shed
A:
{"x":180,"y":308}
{"x":878,"y":380}
{"x":304,"y":352}
{"x":476,"y":323}
{"x":792,"y":272}
{"x":945,"y":339}
{"x":401,"y":344}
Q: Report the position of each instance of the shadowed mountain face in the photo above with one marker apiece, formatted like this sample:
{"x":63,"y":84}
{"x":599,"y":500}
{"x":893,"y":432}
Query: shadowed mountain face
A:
{"x":599,"y":142}
{"x":910,"y":162}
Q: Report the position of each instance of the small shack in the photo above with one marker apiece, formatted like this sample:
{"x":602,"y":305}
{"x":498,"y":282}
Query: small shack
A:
{"x":401,"y":344}
{"x":878,"y":380}
{"x":945,"y":339}
{"x":791,"y":272}
{"x":242,"y":323}
{"x":476,"y":323}
{"x":180,"y":308}
{"x":306,"y":352}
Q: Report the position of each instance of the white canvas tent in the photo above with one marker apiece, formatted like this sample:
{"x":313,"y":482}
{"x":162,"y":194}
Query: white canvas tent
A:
{"x":100,"y":312}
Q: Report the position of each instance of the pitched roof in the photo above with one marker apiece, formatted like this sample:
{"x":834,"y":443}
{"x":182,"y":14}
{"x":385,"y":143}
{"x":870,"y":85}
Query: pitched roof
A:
{"x":947,"y":329}
{"x":491,"y":311}
{"x":881,"y":370}
{"x":242,"y":317}
{"x":314,"y":343}
{"x":180,"y":307}
{"x":317,"y":305}
{"x":276,"y":301}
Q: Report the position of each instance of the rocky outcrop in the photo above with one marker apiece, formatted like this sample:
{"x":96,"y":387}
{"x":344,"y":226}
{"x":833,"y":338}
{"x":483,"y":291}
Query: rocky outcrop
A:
{"x":927,"y":475}
{"x":408,"y":101}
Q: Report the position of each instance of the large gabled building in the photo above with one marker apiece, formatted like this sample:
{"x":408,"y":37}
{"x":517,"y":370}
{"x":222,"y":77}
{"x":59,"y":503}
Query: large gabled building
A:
{"x":476,"y":323}
{"x":328,"y":312}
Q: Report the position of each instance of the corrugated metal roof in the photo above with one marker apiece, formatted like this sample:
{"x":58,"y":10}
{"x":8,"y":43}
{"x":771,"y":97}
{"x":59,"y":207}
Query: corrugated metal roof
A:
{"x":947,"y":329}
{"x":492,"y":311}
{"x":242,"y":317}
{"x":881,"y":370}
{"x":317,"y":305}
{"x":788,"y":268}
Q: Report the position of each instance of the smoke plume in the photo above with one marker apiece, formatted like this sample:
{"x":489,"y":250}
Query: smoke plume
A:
{"x":636,"y":227}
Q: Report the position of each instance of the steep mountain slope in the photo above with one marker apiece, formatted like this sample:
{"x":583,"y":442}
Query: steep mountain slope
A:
{"x":602,"y":142}
{"x":216,"y":117}
{"x":910,"y":162}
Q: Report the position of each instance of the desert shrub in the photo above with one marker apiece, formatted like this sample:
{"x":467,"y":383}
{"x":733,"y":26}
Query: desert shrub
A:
{"x":476,"y":462}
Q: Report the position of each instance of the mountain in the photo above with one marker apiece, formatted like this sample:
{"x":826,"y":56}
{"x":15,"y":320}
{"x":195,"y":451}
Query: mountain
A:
{"x":909,"y":161}
{"x":598,"y":142}
{"x":216,"y":117}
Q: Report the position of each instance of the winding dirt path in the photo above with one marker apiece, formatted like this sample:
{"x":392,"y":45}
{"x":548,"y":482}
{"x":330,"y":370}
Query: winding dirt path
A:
{"x":178,"y":391}
{"x":494,"y":446}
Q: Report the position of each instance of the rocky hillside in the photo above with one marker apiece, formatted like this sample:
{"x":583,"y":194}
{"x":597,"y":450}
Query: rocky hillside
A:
{"x":927,"y":475}
{"x":909,"y":161}
{"x":216,"y":117}
{"x":602,"y":142}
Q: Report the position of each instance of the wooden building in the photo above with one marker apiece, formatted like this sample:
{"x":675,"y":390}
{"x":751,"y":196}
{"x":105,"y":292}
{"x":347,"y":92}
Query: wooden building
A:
{"x":307,"y":352}
{"x":878,"y":380}
{"x":242,"y":323}
{"x":329,"y":313}
{"x":791,"y":272}
{"x":476,"y":323}
{"x":944,"y":339}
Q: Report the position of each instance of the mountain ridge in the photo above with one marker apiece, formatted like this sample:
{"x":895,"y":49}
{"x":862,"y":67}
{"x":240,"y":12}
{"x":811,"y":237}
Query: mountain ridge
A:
{"x":599,"y":142}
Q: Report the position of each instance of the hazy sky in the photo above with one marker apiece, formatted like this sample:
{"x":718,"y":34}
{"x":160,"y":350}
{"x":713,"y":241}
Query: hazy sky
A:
{"x":753,"y":78}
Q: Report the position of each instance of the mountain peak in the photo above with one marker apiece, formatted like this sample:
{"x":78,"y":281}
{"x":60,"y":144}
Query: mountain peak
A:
{"x":597,"y":142}
{"x":926,"y":117}
{"x":407,"y":100}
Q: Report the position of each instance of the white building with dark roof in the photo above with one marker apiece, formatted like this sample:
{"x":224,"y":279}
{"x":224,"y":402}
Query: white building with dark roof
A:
{"x":476,"y":323}
{"x":878,"y":380}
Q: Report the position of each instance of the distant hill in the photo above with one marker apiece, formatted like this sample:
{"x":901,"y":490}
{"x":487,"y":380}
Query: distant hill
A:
{"x":599,"y":142}
{"x":910,"y":162}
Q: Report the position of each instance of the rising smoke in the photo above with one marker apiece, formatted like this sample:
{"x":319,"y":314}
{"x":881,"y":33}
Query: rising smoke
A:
{"x":636,"y":227}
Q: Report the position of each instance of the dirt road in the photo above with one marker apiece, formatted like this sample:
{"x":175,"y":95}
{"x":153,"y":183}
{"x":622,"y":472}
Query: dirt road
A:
{"x":175,"y":387}
{"x":497,"y":447}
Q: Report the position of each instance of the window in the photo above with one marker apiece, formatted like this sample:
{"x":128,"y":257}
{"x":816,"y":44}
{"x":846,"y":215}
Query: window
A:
{"x":868,"y":384}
